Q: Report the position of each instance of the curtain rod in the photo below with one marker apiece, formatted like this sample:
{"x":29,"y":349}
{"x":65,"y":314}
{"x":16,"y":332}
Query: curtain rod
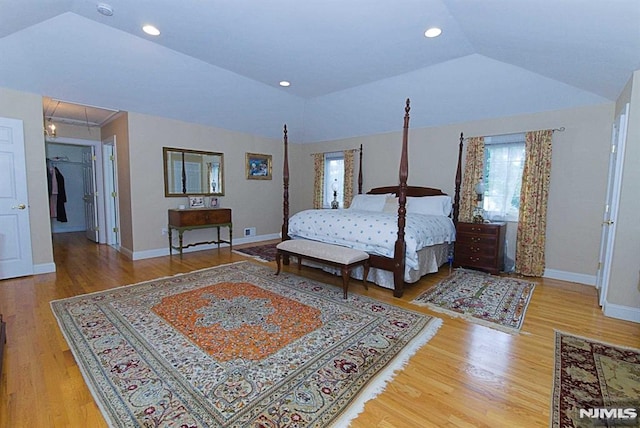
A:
{"x":561,"y":129}
{"x":359,"y":149}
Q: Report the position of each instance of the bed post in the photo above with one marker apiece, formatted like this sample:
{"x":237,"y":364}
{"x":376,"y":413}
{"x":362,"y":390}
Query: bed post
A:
{"x":360,"y":173}
{"x":456,"y":196}
{"x":285,"y":180}
{"x":399,"y":250}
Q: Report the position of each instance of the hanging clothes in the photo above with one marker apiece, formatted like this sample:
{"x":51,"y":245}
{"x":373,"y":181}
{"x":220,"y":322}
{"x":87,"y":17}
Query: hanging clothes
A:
{"x":61,"y":197}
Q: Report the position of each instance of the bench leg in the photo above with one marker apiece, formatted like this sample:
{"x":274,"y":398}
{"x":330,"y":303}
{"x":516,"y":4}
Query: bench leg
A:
{"x":345,"y":280}
{"x":365,"y":274}
{"x":299,"y":262}
{"x":278,"y":261}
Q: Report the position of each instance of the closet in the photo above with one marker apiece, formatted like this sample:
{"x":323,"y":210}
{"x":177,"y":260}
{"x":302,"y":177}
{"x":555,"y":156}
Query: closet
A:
{"x":70,"y":176}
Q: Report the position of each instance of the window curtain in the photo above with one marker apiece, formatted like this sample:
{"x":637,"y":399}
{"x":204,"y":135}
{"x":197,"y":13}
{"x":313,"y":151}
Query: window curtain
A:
{"x":318,"y":180}
{"x":473,"y":170}
{"x":534,"y":192}
{"x":349,"y":156}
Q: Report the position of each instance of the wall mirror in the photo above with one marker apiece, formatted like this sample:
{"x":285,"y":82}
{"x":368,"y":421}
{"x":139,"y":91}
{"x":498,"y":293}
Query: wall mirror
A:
{"x":192,"y":172}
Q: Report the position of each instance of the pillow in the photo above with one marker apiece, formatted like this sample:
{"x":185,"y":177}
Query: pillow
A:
{"x":429,"y":205}
{"x":368,"y":202}
{"x":390,"y":205}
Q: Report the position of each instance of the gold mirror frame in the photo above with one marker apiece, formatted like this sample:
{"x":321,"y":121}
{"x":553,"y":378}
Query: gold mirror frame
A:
{"x":182,"y":165}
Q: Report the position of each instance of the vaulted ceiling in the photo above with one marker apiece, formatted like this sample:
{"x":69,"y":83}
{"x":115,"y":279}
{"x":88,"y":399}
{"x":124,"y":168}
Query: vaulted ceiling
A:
{"x":351,"y":63}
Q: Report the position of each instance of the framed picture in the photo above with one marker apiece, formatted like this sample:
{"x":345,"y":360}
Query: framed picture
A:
{"x":196,"y":201}
{"x":214,"y":203}
{"x":258,"y":166}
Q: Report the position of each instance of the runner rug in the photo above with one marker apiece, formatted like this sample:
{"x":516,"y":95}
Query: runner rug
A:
{"x":263,"y":253}
{"x":493,"y":301}
{"x":594,"y":384}
{"x":236,"y":346}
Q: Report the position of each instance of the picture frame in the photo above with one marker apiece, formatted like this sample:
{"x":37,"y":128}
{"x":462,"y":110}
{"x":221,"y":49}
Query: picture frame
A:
{"x":196,"y":201}
{"x":258,"y":166}
{"x":214,"y":203}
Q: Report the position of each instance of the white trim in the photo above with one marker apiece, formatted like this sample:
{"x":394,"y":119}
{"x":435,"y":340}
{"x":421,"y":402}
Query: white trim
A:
{"x":159,"y":252}
{"x":621,"y":312}
{"x":580,"y":278}
{"x":41,"y":268}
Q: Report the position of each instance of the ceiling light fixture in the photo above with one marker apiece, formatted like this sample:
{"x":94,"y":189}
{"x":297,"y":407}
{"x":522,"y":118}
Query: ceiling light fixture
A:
{"x":284,"y":83}
{"x":432,"y":32}
{"x":151,"y":30}
{"x":50,"y":129}
{"x":104,"y":9}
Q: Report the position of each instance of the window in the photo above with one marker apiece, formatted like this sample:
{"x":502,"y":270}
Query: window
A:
{"x":333,"y":178}
{"x":503,"y":164}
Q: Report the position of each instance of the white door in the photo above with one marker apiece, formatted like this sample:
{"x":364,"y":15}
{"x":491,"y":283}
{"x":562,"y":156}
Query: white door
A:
{"x":90,"y":193}
{"x":111,"y":191}
{"x":618,"y":138}
{"x":15,"y":233}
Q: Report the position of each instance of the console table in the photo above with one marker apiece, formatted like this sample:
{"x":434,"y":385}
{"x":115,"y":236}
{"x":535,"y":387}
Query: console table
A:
{"x":198,"y":218}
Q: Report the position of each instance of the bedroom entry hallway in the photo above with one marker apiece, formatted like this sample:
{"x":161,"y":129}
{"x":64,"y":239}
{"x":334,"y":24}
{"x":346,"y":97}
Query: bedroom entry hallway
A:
{"x":466,"y":375}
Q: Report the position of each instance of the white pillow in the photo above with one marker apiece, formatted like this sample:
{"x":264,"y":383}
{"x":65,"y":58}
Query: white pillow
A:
{"x":429,"y":205}
{"x":368,"y":202}
{"x":390,"y":205}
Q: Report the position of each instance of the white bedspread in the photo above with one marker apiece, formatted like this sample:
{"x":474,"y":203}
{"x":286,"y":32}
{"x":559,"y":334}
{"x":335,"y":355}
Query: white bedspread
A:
{"x":373,"y":232}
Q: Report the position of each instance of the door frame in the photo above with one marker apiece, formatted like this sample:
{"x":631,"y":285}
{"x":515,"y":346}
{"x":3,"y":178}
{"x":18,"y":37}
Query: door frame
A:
{"x":610,"y":217}
{"x":111,"y":203}
{"x":98,"y":173}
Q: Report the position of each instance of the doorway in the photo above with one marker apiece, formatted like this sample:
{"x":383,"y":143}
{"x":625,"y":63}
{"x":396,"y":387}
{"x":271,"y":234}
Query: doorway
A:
{"x":79,"y":164}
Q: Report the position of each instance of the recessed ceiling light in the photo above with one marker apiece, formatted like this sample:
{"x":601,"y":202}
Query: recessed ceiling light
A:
{"x":151,"y":30}
{"x":284,"y":83}
{"x":433,"y":32}
{"x":104,"y":9}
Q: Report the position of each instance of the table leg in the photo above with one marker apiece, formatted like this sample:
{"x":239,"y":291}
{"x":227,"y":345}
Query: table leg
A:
{"x":218,"y":227}
{"x":170,"y":241}
{"x":180,"y":232}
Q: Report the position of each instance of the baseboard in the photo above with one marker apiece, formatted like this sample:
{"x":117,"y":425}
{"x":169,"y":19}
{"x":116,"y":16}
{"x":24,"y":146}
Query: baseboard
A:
{"x":580,"y":278}
{"x":621,"y":312}
{"x":159,"y":252}
{"x":44,"y":268}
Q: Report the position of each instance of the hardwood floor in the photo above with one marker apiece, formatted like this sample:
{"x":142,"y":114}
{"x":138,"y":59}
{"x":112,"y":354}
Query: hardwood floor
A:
{"x":466,"y":376}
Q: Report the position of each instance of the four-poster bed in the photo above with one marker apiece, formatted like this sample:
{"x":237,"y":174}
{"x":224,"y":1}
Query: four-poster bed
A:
{"x":400,"y":253}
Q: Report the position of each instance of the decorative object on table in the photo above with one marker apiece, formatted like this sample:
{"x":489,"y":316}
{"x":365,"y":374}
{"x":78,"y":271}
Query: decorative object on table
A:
{"x":214,"y":203}
{"x":489,"y":300}
{"x":594,"y":375}
{"x":196,"y":202}
{"x":263,"y":253}
{"x":478,"y":210}
{"x":258,"y":166}
{"x":335,"y":204}
{"x":235,"y":346}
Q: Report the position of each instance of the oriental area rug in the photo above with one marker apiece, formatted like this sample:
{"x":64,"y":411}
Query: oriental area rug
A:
{"x":595,"y":384}
{"x":263,"y":253}
{"x":237,"y":346}
{"x":493,"y":301}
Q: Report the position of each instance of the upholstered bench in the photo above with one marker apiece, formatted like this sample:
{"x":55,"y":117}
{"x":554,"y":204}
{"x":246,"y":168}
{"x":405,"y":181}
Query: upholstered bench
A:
{"x":320,"y":252}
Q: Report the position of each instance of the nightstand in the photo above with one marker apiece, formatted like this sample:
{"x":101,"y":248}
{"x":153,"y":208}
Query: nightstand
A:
{"x":480,"y":246}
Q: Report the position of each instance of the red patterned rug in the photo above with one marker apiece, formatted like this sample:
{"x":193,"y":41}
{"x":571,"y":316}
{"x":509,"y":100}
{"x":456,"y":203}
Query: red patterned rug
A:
{"x":263,"y":253}
{"x":236,"y":346}
{"x":595,"y":384}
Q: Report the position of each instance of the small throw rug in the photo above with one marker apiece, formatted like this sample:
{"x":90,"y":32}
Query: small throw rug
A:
{"x":594,"y":384}
{"x":493,"y":301}
{"x":263,"y":253}
{"x":237,"y":346}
